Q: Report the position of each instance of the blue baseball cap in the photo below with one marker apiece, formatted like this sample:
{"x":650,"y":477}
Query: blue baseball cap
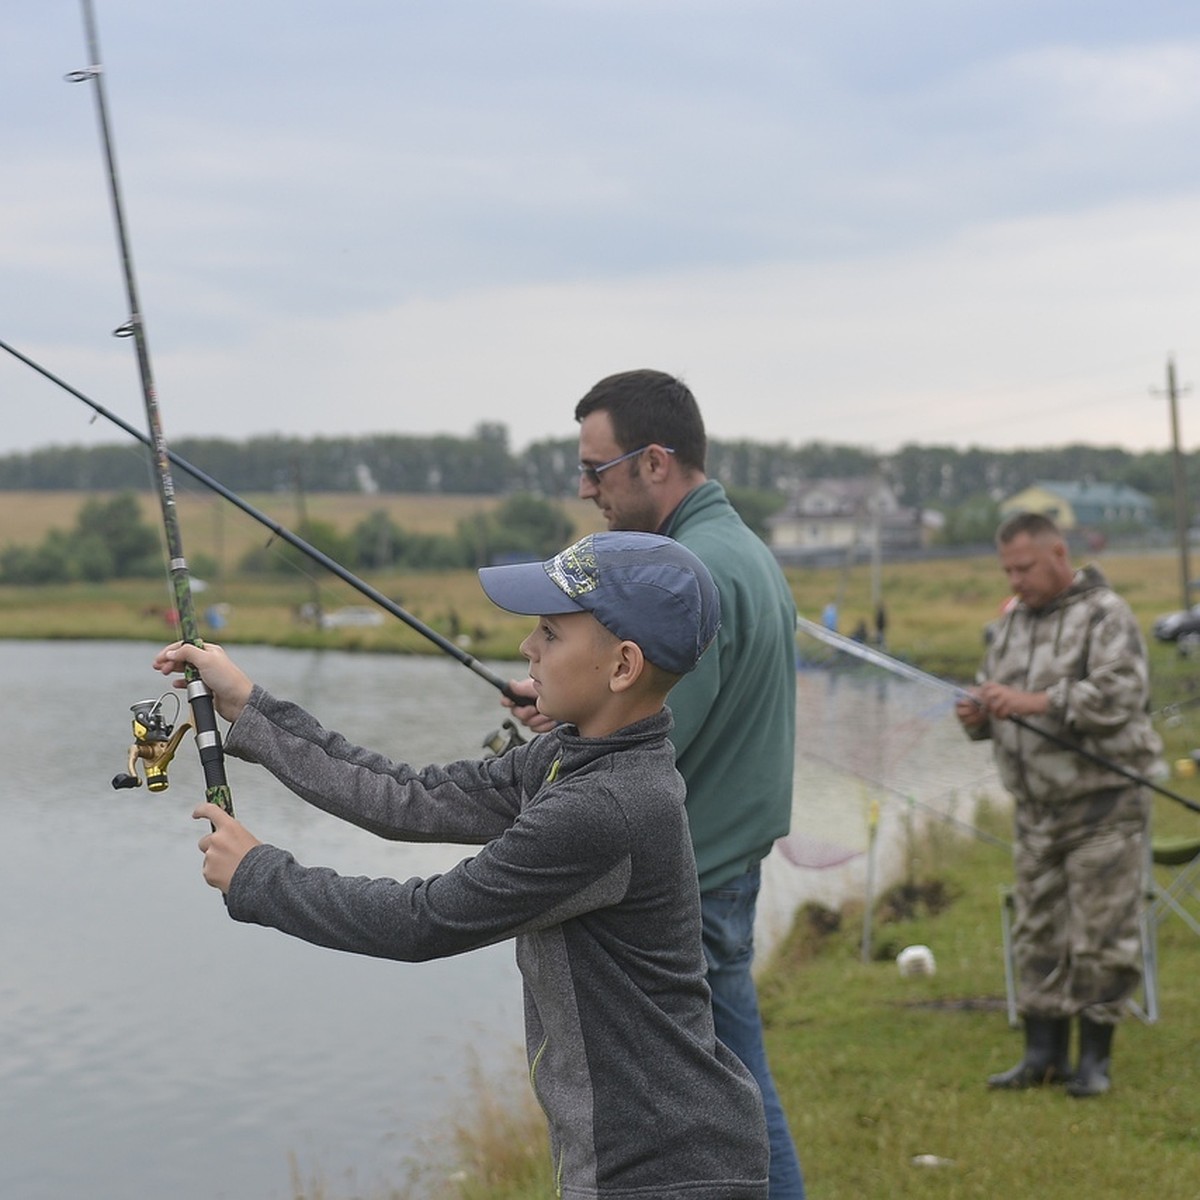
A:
{"x":642,"y":587}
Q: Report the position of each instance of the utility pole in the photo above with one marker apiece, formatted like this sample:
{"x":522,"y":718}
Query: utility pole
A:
{"x":1182,"y":512}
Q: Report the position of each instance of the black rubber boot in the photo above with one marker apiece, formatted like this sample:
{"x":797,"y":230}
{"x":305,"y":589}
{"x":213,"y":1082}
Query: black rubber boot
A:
{"x":1047,"y":1055}
{"x":1095,"y":1054}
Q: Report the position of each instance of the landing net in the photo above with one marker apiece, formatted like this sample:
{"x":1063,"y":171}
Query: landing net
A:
{"x":881,"y":763}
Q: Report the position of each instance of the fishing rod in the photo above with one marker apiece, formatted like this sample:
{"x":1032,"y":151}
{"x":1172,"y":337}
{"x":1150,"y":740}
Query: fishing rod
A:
{"x":148,"y":725}
{"x":284,"y":534}
{"x":906,"y":671}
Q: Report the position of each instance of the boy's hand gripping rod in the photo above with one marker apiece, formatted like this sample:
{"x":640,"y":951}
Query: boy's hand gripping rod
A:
{"x":907,"y":671}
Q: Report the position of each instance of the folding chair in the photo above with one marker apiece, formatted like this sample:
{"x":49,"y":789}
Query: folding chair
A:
{"x":1182,"y":894}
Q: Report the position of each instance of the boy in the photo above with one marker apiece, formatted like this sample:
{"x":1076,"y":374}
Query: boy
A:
{"x":586,"y":860}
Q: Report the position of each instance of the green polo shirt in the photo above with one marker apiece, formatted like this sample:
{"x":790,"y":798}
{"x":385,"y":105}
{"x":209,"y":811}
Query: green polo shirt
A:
{"x":735,"y":714}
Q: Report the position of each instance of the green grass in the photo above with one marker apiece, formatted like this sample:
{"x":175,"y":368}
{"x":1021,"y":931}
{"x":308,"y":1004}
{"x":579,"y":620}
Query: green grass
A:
{"x":876,"y":1070}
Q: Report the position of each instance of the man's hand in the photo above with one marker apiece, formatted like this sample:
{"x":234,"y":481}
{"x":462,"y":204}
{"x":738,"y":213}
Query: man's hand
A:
{"x":225,"y":847}
{"x":230,"y":686}
{"x":970,"y":710}
{"x":1005,"y":702}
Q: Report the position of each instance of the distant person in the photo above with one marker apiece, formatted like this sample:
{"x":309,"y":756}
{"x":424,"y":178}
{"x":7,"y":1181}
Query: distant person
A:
{"x":584,"y":858}
{"x":860,"y":631}
{"x":881,"y":622}
{"x":829,"y":617}
{"x":642,"y":450}
{"x":1068,"y":658}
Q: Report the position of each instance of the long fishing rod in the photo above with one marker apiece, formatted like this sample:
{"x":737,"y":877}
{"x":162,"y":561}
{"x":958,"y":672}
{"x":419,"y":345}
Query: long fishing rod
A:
{"x":906,"y":671}
{"x":284,"y":534}
{"x":208,"y":738}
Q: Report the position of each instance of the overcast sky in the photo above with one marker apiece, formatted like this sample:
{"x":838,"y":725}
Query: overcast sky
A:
{"x":963,"y":222}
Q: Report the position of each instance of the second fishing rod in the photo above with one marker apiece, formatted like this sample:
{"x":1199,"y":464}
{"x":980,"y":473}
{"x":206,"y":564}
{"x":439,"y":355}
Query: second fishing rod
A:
{"x":282,"y":533}
{"x":905,"y":670}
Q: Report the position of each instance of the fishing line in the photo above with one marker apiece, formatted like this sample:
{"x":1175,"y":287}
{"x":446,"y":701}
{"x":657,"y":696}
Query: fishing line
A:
{"x":908,"y":671}
{"x":281,"y":532}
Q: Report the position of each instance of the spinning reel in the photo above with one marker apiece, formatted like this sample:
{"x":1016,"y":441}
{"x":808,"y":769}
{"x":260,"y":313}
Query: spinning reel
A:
{"x":501,"y":740}
{"x":155,"y":740}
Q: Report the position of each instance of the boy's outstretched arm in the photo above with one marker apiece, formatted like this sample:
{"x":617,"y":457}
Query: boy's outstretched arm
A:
{"x":225,"y":847}
{"x":229,"y":684}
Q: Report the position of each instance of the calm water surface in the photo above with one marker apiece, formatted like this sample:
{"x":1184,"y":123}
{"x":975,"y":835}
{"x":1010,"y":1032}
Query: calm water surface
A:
{"x":151,"y":1047}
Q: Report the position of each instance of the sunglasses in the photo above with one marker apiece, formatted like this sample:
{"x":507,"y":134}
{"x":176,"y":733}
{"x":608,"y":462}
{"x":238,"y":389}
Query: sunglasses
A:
{"x":592,"y":473}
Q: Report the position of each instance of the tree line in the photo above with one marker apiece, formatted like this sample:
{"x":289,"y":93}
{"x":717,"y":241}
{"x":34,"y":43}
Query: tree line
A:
{"x":938,"y":477}
{"x":110,"y":540}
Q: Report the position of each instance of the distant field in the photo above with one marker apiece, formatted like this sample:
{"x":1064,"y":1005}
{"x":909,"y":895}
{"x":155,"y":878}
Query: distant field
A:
{"x":213,"y":526}
{"x":937,"y":608}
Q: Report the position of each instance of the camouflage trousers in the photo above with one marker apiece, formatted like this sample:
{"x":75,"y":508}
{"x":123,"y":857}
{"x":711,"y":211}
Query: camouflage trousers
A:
{"x":1078,"y":892}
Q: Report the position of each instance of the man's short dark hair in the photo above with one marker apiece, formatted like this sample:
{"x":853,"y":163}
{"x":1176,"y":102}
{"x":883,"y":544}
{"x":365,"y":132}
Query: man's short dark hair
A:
{"x":650,"y":407}
{"x":1035,"y":524}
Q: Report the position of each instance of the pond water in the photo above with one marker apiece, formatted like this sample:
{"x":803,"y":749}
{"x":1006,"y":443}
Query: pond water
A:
{"x":151,"y":1047}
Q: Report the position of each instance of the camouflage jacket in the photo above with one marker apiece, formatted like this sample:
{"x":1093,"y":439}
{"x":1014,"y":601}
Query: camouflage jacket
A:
{"x":1085,"y":650}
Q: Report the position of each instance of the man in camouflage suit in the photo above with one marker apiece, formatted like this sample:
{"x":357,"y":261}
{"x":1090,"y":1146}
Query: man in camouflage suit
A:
{"x":1067,"y":657}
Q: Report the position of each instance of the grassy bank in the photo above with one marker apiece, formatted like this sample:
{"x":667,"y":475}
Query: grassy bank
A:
{"x":877,"y":1072}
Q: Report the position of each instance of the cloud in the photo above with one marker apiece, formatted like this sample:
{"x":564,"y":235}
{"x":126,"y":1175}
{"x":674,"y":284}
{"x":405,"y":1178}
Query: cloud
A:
{"x":1139,"y":88}
{"x":1016,"y":333}
{"x":858,"y":223}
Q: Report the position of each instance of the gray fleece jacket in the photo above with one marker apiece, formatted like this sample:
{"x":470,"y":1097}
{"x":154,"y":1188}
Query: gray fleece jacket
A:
{"x":585,"y":860}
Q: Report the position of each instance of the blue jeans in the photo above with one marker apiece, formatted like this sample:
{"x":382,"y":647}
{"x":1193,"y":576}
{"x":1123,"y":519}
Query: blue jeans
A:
{"x":728,"y":925}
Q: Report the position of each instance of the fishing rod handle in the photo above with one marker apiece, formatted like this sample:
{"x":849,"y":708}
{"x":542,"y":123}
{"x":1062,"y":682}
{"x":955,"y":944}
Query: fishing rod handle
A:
{"x":208,"y":740}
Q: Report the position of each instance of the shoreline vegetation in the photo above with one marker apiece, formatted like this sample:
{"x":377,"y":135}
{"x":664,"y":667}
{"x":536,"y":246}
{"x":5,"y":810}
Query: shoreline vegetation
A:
{"x":936,"y":607}
{"x":882,"y":1076}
